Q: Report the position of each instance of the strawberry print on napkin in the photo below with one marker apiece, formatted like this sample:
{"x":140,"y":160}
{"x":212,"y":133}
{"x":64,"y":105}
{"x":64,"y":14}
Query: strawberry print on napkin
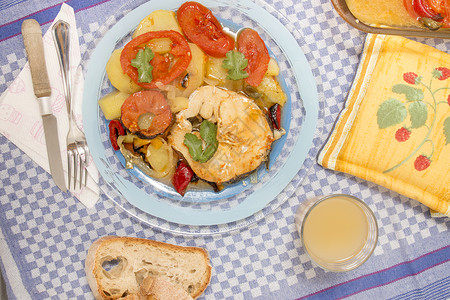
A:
{"x":395,"y":127}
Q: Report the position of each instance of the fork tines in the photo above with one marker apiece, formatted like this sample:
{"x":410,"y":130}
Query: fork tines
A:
{"x":77,"y":163}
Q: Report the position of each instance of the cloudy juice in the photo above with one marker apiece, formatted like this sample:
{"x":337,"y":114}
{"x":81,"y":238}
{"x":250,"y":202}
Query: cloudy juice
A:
{"x":335,"y":230}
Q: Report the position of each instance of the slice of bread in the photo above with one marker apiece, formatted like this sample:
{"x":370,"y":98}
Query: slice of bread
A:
{"x":157,"y":288}
{"x":116,"y":266}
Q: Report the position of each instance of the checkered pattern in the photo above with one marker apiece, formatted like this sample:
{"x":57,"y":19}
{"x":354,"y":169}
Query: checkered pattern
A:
{"x":49,"y":232}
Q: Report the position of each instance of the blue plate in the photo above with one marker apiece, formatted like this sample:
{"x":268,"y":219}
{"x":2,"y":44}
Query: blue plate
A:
{"x":158,"y":202}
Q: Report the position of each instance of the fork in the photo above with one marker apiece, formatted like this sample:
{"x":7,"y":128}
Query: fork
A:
{"x":77,"y":150}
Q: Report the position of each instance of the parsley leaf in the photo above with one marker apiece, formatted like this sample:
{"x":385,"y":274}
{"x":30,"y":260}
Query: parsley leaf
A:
{"x":142,"y":63}
{"x":235,"y":62}
{"x":208,"y":132}
{"x":209,"y":151}
{"x":194,"y":145}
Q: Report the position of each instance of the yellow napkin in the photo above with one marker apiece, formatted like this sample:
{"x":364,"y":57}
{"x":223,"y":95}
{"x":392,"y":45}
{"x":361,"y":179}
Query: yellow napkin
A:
{"x":395,"y":127}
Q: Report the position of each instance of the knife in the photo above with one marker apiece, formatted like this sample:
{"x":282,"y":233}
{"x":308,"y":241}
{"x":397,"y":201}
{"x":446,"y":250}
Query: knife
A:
{"x":32,"y":39}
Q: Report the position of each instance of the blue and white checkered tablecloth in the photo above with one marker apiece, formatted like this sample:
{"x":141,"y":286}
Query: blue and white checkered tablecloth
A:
{"x":45,"y":233}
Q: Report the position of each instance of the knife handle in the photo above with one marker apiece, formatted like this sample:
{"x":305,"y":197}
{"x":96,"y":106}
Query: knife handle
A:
{"x":32,"y":39}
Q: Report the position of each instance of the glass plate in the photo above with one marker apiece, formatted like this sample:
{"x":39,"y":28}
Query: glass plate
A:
{"x":240,"y":204}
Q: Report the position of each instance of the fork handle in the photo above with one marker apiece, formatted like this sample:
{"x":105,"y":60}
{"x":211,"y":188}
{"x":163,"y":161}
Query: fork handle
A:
{"x":61,"y":31}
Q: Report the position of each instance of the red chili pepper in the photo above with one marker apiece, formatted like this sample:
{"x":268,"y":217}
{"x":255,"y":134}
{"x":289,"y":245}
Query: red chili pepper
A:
{"x":183,"y":175}
{"x":275,"y":115}
{"x":115,"y":129}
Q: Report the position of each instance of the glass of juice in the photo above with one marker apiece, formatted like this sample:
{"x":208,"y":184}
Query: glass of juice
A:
{"x":339,"y":232}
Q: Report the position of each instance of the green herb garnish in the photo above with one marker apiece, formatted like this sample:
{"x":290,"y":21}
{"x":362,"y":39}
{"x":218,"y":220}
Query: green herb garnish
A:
{"x":142,"y":64}
{"x":208,"y":132}
{"x":235,"y":62}
{"x":194,"y":145}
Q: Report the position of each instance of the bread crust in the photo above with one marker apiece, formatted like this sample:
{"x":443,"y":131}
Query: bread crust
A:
{"x":93,"y":264}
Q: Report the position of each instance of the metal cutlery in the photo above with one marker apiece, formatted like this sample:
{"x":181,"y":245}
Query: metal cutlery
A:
{"x":32,"y":39}
{"x":77,"y":150}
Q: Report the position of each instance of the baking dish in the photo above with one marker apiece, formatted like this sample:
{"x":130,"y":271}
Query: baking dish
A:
{"x":343,"y":10}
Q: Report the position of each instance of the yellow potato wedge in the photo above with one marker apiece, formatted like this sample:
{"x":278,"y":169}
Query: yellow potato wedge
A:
{"x":214,"y":69}
{"x":273,"y":69}
{"x":271,"y":90}
{"x":111,"y":104}
{"x":195,"y":70}
{"x":158,"y":20}
{"x":177,"y":104}
{"x":117,"y":77}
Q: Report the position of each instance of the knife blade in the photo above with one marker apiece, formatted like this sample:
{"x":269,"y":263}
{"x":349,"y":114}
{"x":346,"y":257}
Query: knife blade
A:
{"x":32,"y":39}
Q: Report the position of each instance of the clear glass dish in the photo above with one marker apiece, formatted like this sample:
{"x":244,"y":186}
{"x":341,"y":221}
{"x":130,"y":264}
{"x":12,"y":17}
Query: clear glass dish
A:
{"x":201,"y":212}
{"x":343,"y":10}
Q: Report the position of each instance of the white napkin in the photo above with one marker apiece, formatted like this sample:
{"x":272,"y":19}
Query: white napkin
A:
{"x":20,"y":118}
